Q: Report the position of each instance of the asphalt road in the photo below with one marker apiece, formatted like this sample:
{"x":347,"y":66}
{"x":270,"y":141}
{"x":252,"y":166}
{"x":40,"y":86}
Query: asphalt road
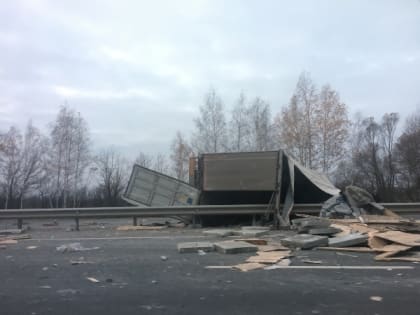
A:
{"x":133,"y":279}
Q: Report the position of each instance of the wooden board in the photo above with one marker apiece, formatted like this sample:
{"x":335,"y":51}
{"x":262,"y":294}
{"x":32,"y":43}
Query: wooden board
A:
{"x":254,"y":241}
{"x":348,"y":249}
{"x":399,"y":237}
{"x":268,"y":257}
{"x":249,"y":266}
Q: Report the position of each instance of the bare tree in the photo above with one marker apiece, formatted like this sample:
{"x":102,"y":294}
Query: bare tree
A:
{"x":113,"y":176}
{"x":239,"y":130}
{"x":307,"y":101}
{"x":408,"y":158}
{"x":389,"y":128}
{"x":260,"y":127}
{"x":69,"y":154}
{"x":332,"y":124}
{"x":210,"y":134}
{"x":180,"y":154}
{"x":144,"y":160}
{"x":32,"y":159}
{"x":10,"y":164}
{"x":289,"y":126}
{"x":161,"y":164}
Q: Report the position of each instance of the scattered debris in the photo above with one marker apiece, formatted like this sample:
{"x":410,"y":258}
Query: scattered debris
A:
{"x":12,"y":231}
{"x":268,"y":257}
{"x":91,"y":279}
{"x":348,"y":249}
{"x":249,"y":266}
{"x":376,"y":298}
{"x":45,"y":287}
{"x":74,"y":247}
{"x":252,"y":233}
{"x":31,"y":247}
{"x":8,"y":242}
{"x":193,"y":247}
{"x":305,"y":241}
{"x":80,"y":262}
{"x":348,"y":240}
{"x":140,"y":227}
{"x":164,"y":258}
{"x":309,"y":261}
{"x":281,"y":263}
{"x":271,"y":248}
{"x":255,"y":227}
{"x":44,"y":268}
{"x":324,"y":231}
{"x":232,"y":247}
{"x":254,"y":241}
{"x":303,"y":225}
{"x":219,"y":232}
{"x":154,"y":282}
{"x":201,"y":252}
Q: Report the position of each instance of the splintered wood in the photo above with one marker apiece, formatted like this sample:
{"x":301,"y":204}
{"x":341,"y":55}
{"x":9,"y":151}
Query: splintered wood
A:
{"x":268,"y":257}
{"x":249,"y":266}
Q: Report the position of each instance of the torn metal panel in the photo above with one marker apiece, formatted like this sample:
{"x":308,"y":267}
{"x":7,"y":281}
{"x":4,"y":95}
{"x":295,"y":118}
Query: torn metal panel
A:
{"x":149,"y":188}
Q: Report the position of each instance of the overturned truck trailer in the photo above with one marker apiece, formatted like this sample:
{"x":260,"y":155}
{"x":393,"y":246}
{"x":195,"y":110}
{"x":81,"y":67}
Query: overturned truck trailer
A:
{"x":270,"y":178}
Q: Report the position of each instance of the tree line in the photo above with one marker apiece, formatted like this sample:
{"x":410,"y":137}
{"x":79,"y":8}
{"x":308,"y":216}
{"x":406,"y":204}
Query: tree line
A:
{"x":59,"y":169}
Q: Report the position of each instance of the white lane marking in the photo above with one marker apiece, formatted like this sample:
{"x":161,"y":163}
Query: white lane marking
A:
{"x":328,"y":267}
{"x":347,"y":267}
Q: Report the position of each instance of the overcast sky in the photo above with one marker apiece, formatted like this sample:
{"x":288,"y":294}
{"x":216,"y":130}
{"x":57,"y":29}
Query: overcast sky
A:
{"x":137,"y":70}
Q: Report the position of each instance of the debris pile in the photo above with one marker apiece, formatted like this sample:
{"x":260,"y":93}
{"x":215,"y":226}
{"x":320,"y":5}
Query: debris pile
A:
{"x":11,"y":237}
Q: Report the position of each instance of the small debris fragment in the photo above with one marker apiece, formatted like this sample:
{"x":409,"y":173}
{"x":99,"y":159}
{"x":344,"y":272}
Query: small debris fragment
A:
{"x":31,"y":247}
{"x":140,"y":227}
{"x":45,"y":287}
{"x":193,"y":247}
{"x":305,"y":241}
{"x":164,"y":258}
{"x":249,"y":266}
{"x":74,"y":247}
{"x":91,"y":279}
{"x":44,"y":268}
{"x":376,"y":298}
{"x":201,"y":252}
{"x":219,"y":232}
{"x":348,"y":240}
{"x":308,"y":261}
{"x":80,"y":262}
{"x":232,"y":247}
{"x":154,"y":282}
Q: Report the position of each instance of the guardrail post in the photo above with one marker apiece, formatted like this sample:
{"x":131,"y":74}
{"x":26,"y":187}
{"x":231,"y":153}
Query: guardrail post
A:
{"x":135,"y":221}
{"x":19,"y":223}
{"x":77,"y":223}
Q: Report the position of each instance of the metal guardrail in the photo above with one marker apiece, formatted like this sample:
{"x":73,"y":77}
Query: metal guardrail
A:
{"x":199,"y":210}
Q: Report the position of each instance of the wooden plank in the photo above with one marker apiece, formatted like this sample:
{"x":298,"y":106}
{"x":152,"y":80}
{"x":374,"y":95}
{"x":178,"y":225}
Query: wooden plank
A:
{"x":268,"y":257}
{"x":272,"y":248}
{"x":249,"y":266}
{"x":348,"y":249}
{"x":254,"y":241}
{"x":8,"y":242}
{"x":399,"y":237}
